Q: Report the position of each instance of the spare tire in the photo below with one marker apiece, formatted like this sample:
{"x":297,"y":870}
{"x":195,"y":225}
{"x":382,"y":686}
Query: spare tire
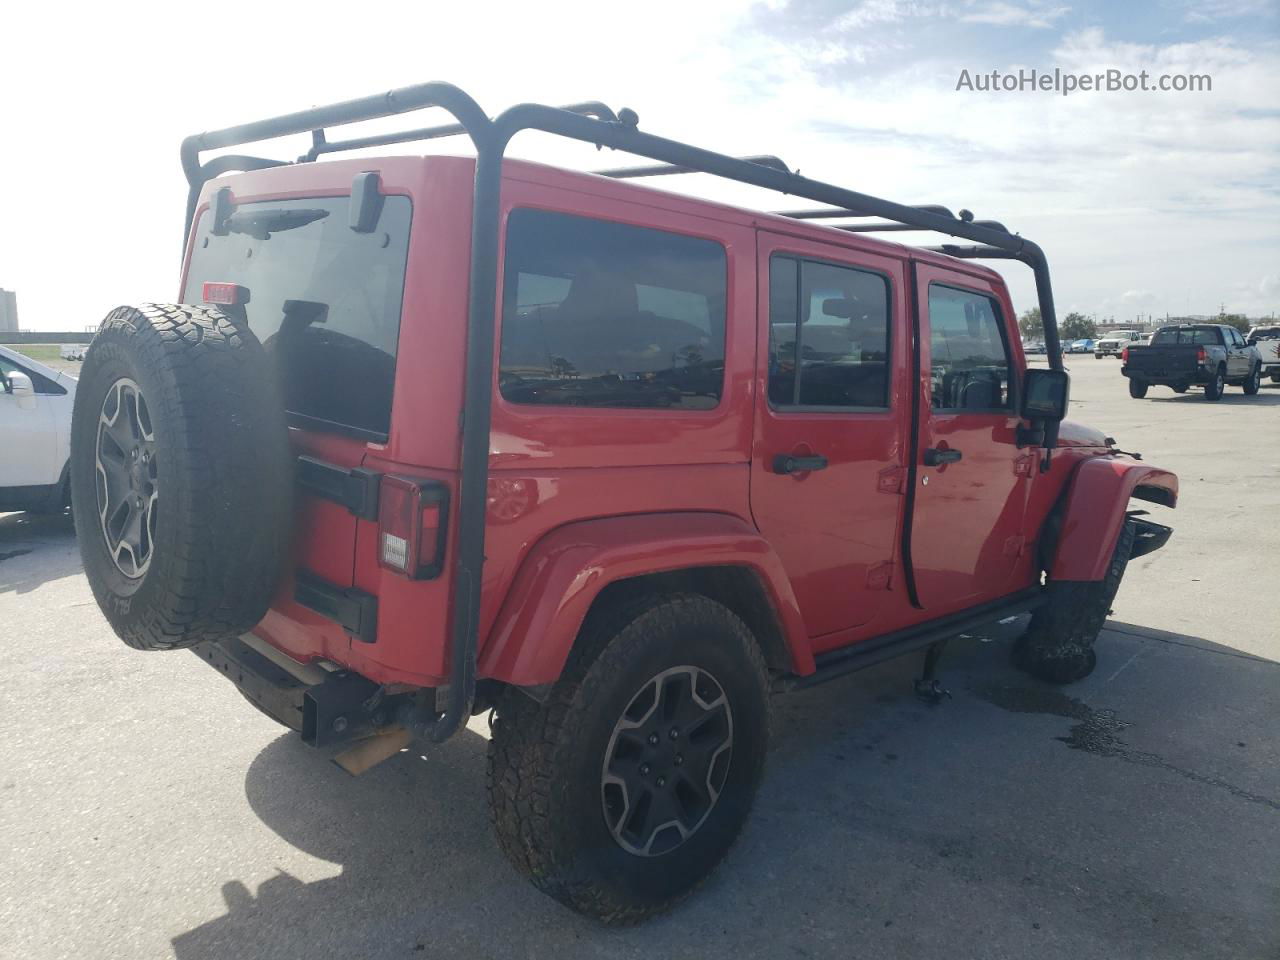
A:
{"x":181,"y":476}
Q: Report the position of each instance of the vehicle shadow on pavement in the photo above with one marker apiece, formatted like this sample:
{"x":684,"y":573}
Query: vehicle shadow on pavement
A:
{"x":1132,"y":814}
{"x":1233,"y":397}
{"x":50,"y":537}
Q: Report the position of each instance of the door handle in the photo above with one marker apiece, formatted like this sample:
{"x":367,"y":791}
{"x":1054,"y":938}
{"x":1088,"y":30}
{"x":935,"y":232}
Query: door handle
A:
{"x":934,"y":457}
{"x":786,"y":463}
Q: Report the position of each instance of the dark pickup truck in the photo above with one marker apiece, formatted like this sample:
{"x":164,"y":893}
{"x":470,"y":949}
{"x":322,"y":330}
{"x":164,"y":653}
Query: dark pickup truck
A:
{"x":1210,"y":355}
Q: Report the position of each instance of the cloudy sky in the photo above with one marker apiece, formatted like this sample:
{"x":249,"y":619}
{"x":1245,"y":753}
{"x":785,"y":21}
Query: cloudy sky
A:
{"x":1148,"y":202}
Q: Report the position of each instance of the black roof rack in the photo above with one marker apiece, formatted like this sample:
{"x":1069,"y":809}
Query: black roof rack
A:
{"x":590,"y":122}
{"x":668,"y":169}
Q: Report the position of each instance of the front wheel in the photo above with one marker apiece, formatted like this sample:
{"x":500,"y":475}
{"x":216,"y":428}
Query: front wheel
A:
{"x":623,"y":790}
{"x":1058,"y":644}
{"x":1254,"y":382}
{"x":1214,"y":389}
{"x":1137,"y":388}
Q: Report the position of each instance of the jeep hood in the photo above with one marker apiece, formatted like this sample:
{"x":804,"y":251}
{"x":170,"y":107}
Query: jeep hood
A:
{"x":1072,"y":434}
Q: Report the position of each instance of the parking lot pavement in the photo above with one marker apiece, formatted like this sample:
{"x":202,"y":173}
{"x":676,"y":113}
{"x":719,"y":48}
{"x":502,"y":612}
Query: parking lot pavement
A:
{"x":147,"y":811}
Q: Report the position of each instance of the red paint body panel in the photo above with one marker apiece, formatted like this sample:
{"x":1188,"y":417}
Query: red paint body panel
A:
{"x":579,"y":498}
{"x":969,"y":514}
{"x":570,"y":566}
{"x":837,"y":530}
{"x":1094,"y":512}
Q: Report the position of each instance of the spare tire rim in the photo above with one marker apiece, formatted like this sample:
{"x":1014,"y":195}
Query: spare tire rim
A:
{"x":667,"y":761}
{"x":127,"y":488}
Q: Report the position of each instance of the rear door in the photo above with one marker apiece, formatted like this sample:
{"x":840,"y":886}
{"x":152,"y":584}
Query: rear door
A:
{"x":827,"y":465}
{"x":325,"y":301}
{"x":970,"y":482}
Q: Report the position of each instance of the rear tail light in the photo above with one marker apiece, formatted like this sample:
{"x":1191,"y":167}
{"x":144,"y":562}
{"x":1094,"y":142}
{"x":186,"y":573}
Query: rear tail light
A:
{"x":1202,"y":356}
{"x":225,"y":294}
{"x":1124,"y":355}
{"x":413,"y":518}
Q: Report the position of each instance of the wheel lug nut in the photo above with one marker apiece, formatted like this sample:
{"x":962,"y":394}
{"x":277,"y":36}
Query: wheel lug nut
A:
{"x":679,"y":760}
{"x":675,"y":733}
{"x":662,"y":781}
{"x":644,"y":769}
{"x":653,"y":739}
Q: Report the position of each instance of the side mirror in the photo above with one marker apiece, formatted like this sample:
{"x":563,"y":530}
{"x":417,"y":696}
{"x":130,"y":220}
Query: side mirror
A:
{"x":1045,"y":394}
{"x":20,"y":385}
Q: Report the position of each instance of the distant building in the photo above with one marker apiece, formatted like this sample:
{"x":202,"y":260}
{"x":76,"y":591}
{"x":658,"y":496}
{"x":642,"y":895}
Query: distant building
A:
{"x":8,"y":311}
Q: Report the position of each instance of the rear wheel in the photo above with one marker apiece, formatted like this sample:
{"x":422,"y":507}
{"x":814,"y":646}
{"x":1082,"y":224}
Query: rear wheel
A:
{"x":1180,"y":387}
{"x":625,"y":789}
{"x":1214,"y":388}
{"x":1253,"y":383}
{"x":1058,"y":644}
{"x":1137,"y":388}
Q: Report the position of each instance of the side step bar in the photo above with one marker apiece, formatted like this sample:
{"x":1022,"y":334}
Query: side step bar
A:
{"x":859,"y":656}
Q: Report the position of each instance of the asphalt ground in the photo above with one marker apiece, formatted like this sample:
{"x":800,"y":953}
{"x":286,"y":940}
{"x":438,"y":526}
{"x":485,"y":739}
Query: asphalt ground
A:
{"x":148,"y":811}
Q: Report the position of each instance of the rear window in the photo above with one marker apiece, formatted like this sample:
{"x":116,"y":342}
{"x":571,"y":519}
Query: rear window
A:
{"x":1186,"y":335}
{"x":323,"y":299}
{"x":601,"y":314}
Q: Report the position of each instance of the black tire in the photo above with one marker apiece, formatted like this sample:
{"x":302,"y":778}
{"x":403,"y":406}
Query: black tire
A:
{"x":548,"y":761}
{"x":1180,"y":387}
{"x":214,"y":500}
{"x":1214,"y":389}
{"x":1253,"y":383}
{"x":1058,"y":645}
{"x":1275,"y":377}
{"x":1137,"y":388}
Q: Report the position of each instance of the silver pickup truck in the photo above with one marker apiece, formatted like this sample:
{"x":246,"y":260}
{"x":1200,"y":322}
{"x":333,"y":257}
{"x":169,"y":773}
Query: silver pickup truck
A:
{"x":1267,"y":340}
{"x":1210,"y":355}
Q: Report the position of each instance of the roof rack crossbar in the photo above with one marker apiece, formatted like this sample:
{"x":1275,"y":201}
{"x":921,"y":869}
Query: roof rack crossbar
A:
{"x":588,"y":108}
{"x":841,"y":214}
{"x":669,"y":169}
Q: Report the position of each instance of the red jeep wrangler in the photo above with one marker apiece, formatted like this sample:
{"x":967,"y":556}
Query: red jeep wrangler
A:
{"x":431,"y":436}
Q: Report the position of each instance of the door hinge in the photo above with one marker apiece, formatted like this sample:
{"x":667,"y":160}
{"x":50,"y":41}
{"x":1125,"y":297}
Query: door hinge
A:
{"x":890,"y":480}
{"x":1014,"y":546}
{"x":881,"y":577}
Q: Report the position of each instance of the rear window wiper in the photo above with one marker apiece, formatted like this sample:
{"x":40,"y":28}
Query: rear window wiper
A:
{"x":260,"y":224}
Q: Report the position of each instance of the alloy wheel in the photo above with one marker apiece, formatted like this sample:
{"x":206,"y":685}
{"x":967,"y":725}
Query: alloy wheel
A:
{"x":667,"y":761}
{"x":127,"y":478}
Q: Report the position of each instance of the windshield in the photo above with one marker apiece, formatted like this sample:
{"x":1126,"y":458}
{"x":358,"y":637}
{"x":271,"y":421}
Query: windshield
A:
{"x":324,"y":299}
{"x":1186,"y":335}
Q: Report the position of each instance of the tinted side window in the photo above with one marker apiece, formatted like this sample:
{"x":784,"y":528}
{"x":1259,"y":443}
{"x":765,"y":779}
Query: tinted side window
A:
{"x":828,"y":335}
{"x":970,"y":360}
{"x":600,"y":314}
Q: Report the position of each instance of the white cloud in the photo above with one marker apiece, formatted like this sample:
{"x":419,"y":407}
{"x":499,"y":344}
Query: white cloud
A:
{"x":1014,"y":15}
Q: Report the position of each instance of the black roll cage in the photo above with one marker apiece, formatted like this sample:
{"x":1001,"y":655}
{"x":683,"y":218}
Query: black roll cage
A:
{"x":590,"y":122}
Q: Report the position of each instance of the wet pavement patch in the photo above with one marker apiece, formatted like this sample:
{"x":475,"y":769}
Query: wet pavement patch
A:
{"x":1098,"y":732}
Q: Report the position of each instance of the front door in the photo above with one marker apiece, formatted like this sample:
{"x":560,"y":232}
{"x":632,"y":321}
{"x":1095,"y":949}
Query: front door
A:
{"x":970,"y":477}
{"x":28,"y":435}
{"x":832,"y":413}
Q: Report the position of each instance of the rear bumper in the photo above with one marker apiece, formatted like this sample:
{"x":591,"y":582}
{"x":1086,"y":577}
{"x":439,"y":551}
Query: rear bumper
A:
{"x":1200,"y":375}
{"x":342,"y":707}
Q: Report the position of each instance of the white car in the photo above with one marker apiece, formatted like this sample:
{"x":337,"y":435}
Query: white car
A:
{"x":35,"y":434}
